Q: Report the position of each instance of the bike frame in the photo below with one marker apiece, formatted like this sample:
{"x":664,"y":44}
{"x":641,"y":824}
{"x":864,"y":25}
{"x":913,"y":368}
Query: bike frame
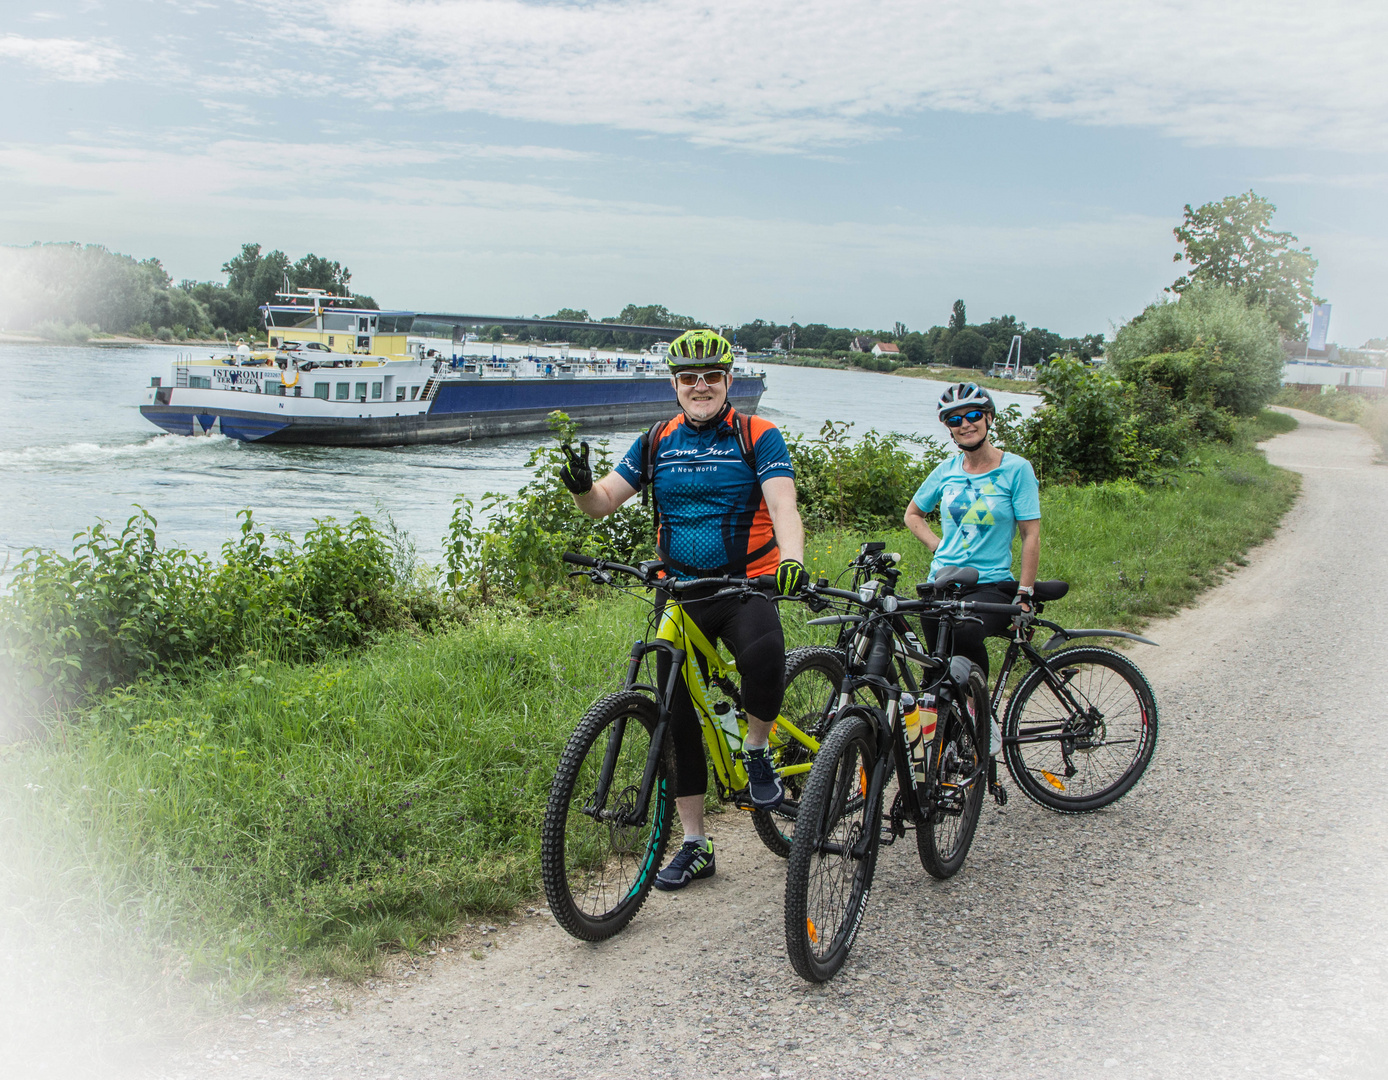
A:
{"x":691,"y":654}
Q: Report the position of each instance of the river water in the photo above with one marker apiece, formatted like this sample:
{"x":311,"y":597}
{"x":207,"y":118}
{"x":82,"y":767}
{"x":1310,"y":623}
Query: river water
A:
{"x":74,"y":448}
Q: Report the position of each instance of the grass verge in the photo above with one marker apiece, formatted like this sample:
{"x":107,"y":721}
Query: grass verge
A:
{"x":273,"y":817}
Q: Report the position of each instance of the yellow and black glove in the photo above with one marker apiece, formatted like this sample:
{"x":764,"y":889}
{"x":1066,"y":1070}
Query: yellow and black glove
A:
{"x":791,"y":577}
{"x":576,"y":474}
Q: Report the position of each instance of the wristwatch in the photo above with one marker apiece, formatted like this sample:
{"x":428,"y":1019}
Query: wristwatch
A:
{"x":1025,"y":590}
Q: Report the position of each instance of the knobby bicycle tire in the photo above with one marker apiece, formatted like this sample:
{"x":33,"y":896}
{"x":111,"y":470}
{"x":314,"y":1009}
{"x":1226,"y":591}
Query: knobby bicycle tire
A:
{"x":814,"y":675}
{"x":959,"y":759}
{"x":1113,"y":742}
{"x":598,"y":874}
{"x":826,"y":887}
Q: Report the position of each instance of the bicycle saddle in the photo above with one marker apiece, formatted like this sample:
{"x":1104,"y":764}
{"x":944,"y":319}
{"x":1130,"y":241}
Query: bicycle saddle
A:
{"x":1051,"y":590}
{"x":950,"y":575}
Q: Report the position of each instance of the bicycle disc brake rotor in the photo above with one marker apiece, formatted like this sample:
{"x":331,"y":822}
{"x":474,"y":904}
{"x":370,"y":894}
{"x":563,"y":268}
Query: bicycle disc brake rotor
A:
{"x":621,"y":835}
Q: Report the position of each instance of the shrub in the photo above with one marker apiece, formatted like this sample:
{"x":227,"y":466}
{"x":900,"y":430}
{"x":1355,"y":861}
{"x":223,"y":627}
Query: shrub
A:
{"x":1085,"y":432}
{"x":865,"y":484}
{"x":120,"y":606}
{"x":1230,"y":355}
{"x":517,"y":552}
{"x":64,"y":333}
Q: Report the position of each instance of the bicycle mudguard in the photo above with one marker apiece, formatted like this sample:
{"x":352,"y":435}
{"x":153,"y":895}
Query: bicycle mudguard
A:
{"x":835,"y":620}
{"x":1061,"y":637}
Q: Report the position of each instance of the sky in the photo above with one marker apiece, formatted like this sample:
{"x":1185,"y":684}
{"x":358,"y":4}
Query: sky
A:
{"x":854,"y":163}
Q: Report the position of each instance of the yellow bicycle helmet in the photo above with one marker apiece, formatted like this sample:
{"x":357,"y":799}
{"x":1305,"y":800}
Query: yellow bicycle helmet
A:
{"x":700,"y":348}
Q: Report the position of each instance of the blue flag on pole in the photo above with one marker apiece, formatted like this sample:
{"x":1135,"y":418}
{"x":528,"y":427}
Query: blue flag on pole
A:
{"x":1320,"y":326}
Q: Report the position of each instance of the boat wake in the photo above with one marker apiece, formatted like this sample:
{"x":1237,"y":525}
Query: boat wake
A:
{"x":86,"y":452}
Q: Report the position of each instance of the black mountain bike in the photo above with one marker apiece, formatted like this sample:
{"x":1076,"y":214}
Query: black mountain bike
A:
{"x":841,"y":819}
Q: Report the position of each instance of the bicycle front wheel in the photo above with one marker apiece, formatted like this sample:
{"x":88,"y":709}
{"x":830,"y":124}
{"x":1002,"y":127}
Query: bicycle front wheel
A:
{"x":598,"y":865}
{"x":958,"y":777}
{"x":835,"y":853}
{"x":814,"y":675}
{"x":1077,"y":758}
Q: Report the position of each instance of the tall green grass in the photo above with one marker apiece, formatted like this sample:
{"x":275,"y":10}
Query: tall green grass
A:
{"x":277,"y":814}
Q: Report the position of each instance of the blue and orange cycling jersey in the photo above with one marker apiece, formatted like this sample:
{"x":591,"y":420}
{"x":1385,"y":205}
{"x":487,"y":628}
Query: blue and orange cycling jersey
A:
{"x":711,"y":514}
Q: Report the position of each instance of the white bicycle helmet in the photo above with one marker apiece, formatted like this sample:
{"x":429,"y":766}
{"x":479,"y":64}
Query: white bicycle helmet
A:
{"x":965,"y":395}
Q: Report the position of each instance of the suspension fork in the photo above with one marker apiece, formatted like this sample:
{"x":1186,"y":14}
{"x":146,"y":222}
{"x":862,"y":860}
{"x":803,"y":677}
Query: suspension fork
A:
{"x":639,"y":651}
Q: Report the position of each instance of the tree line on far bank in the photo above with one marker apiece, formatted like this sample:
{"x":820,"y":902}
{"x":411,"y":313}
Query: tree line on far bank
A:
{"x":68,"y":292}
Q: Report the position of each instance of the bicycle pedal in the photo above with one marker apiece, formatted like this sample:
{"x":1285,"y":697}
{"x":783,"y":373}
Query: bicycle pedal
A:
{"x":999,"y":794}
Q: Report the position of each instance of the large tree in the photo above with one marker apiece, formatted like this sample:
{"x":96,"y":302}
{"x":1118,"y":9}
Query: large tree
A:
{"x":1232,"y":243}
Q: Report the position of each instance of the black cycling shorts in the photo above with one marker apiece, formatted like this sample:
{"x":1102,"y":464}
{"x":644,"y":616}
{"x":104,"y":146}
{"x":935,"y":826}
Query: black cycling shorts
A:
{"x":968,"y":637}
{"x":751,"y":630}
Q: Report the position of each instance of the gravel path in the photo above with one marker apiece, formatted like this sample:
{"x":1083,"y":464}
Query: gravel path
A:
{"x":1225,"y":918}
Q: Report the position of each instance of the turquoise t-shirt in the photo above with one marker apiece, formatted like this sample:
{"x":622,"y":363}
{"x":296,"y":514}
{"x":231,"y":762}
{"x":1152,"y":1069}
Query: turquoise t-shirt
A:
{"x":979,"y":513}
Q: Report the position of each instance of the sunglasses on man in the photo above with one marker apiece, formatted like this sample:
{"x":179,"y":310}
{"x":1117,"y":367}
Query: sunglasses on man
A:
{"x":973,"y":416}
{"x":694,"y":378}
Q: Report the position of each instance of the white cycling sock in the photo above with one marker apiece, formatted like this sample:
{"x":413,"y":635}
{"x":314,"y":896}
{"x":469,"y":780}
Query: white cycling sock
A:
{"x":696,"y":839}
{"x":750,"y":745}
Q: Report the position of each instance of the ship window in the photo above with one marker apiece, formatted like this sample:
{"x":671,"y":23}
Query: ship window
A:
{"x":399,"y":393}
{"x":199,"y":382}
{"x":375,"y":391}
{"x":320,"y":390}
{"x":361,"y":391}
{"x":414,"y":392}
{"x":364,"y":342}
{"x":338,"y":320}
{"x":331,"y":341}
{"x":363,"y":324}
{"x":343,"y":389}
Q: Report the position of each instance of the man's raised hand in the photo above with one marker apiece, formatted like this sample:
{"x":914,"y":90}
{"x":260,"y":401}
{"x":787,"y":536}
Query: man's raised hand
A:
{"x":576,"y":474}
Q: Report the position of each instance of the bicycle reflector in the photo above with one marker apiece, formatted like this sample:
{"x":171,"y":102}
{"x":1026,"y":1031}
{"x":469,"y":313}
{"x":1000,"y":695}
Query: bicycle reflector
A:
{"x":809,"y":925}
{"x":1053,"y":780}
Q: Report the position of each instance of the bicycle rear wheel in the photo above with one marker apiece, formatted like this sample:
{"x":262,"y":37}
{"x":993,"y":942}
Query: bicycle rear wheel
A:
{"x":814,"y":675}
{"x":1077,"y":761}
{"x":597,"y":873}
{"x":826,"y":884}
{"x":958,"y":779}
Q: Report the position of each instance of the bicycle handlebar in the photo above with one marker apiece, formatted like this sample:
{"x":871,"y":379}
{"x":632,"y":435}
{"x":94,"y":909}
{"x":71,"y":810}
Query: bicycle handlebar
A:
{"x":647,"y":575}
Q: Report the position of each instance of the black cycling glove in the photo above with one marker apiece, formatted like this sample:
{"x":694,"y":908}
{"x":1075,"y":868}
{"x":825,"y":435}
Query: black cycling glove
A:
{"x":791,"y":577}
{"x":576,"y":473}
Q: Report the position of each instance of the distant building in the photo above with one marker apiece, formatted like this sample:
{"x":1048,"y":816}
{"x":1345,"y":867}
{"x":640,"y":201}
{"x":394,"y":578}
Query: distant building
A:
{"x":1311,"y":375}
{"x":886,"y":348}
{"x":862,"y":344}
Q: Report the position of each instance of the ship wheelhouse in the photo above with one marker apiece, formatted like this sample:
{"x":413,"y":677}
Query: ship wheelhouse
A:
{"x":306,"y":316}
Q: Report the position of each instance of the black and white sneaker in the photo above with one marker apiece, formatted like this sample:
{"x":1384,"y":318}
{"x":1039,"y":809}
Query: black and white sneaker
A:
{"x":763,"y":785}
{"x":692,"y":862}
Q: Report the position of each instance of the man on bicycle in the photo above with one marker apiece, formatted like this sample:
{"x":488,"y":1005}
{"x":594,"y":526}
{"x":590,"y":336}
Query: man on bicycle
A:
{"x":717,"y":513}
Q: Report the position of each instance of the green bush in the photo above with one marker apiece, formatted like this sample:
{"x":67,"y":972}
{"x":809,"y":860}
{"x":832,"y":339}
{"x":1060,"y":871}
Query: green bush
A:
{"x":121,"y":606}
{"x":1086,"y":431}
{"x":865,"y":484}
{"x":1230,"y":355}
{"x":516,"y":554}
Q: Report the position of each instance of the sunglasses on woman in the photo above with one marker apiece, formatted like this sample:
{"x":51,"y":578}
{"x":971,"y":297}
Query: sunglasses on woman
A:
{"x":694,"y":378}
{"x":973,"y":416}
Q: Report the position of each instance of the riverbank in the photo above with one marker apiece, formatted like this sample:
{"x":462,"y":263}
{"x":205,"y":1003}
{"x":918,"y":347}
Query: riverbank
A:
{"x":270,"y":817}
{"x":954,"y":374}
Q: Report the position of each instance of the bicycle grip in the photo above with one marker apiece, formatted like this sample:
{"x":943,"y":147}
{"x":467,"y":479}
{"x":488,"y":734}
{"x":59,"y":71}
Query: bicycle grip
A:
{"x":998,"y":609}
{"x":766,"y":581}
{"x":579,"y":560}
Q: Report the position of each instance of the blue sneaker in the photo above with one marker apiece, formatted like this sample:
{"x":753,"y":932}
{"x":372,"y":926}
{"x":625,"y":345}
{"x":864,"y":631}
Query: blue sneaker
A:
{"x":763,"y":784}
{"x":692,"y":862}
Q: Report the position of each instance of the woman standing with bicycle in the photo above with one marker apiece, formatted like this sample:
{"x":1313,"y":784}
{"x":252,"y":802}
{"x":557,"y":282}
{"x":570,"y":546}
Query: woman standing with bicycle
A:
{"x":986,"y":497}
{"x":725,"y":505}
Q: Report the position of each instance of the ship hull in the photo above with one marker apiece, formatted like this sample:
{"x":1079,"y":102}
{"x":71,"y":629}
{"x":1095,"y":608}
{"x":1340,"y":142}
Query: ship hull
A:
{"x":461,"y":410}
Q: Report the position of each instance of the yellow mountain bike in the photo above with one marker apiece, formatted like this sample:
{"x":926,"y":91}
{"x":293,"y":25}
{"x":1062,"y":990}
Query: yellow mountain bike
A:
{"x":610,"y":806}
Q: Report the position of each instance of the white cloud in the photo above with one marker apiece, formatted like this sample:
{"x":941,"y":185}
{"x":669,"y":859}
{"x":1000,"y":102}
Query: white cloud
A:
{"x":64,"y":58}
{"x":797,"y":74}
{"x":442,"y":240}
